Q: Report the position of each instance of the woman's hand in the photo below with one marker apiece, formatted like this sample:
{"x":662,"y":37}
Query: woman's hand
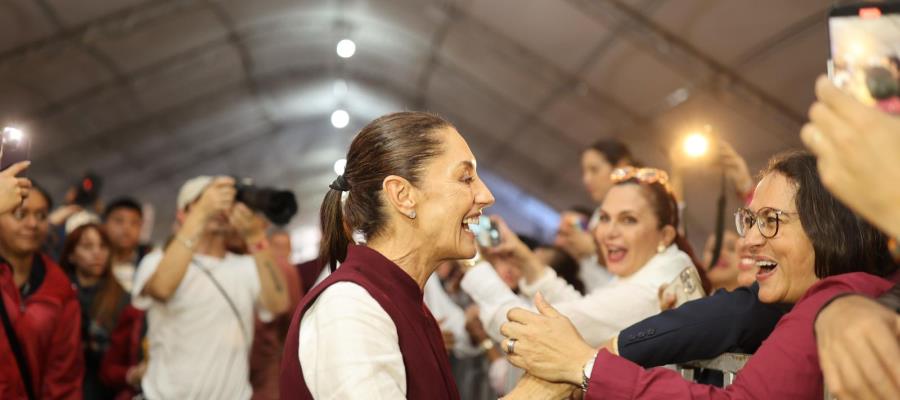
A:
{"x":547,"y":344}
{"x":514,"y":250}
{"x":857,"y":148}
{"x":251,"y":226}
{"x":859,"y":345}
{"x":13,"y":189}
{"x":574,"y":240}
{"x":666,"y":300}
{"x":736,"y":169}
{"x":530,"y":388}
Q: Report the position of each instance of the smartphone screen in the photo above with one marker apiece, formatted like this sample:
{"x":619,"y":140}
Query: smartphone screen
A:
{"x":486,"y":232}
{"x":865,"y":52}
{"x":15,"y":147}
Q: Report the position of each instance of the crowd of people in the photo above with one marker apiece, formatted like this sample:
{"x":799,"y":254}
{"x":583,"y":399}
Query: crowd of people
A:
{"x":404,"y":302}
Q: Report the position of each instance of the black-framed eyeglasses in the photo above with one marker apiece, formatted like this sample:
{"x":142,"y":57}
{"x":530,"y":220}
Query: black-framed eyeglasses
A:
{"x":767,"y":220}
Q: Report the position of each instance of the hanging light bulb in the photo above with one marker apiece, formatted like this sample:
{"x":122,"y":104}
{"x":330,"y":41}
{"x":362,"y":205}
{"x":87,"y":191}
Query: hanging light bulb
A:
{"x":340,"y":118}
{"x":346,"y":48}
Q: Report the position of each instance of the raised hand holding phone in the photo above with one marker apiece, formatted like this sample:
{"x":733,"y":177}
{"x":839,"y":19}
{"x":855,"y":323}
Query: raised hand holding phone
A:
{"x":513,"y":249}
{"x":840,"y":123}
{"x":13,"y":189}
{"x":15,"y":147}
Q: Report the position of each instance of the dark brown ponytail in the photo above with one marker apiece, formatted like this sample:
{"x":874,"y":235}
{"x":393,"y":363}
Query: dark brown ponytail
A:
{"x":395,"y":144}
{"x":335,"y":237}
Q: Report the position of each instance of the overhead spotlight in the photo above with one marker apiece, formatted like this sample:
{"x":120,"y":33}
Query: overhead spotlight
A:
{"x":339,"y":166}
{"x":340,"y":118}
{"x":346,"y":48}
{"x":696,"y":145}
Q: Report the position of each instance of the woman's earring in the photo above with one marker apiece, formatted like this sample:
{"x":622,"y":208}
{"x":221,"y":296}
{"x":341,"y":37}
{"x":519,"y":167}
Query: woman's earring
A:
{"x":412,"y":215}
{"x":661,"y":248}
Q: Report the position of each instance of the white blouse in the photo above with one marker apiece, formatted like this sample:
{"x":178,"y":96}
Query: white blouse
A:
{"x":598,"y":316}
{"x":349,"y":347}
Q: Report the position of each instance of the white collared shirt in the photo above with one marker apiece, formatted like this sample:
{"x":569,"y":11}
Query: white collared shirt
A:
{"x":598,"y":316}
{"x":349,"y":347}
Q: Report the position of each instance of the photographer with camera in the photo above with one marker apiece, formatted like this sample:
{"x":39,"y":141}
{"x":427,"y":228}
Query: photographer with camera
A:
{"x":190,"y":289}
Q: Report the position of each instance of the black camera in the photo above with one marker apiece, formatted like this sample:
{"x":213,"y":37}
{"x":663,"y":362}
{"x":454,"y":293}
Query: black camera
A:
{"x":279,"y":206}
{"x":87,"y":190}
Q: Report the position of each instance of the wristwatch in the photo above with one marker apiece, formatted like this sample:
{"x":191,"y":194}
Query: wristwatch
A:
{"x":586,"y":373}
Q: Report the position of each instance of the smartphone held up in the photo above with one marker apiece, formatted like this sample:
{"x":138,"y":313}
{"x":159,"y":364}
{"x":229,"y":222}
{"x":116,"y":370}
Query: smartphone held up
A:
{"x":486,"y":232}
{"x":15,"y":147}
{"x":865,"y":52}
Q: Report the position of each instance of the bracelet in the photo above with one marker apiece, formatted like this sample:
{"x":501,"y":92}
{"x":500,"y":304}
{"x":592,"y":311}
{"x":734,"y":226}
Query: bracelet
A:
{"x":187,"y":242}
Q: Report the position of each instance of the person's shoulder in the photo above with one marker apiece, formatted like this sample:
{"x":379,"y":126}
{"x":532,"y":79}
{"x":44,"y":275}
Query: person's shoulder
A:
{"x":56,"y":283}
{"x":826,"y":289}
{"x":856,"y":282}
{"x":347,"y":299}
{"x":344,"y":290}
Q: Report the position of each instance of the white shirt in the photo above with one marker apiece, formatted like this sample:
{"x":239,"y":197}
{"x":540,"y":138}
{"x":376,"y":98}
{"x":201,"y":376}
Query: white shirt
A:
{"x":349,"y":347}
{"x":124,"y":274}
{"x":450,"y":316}
{"x":346,"y":307}
{"x":197,"y":348}
{"x":598,"y":316}
{"x":592,"y":274}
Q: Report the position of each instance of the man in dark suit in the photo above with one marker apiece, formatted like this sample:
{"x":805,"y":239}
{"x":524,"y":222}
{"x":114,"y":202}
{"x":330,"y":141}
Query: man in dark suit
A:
{"x":733,"y":321}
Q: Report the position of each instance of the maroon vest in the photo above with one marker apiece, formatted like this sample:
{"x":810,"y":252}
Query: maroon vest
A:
{"x":421,"y":343}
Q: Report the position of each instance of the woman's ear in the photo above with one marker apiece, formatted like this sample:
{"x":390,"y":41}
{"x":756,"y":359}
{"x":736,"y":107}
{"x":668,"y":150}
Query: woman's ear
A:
{"x":400,"y":195}
{"x":669,"y":234}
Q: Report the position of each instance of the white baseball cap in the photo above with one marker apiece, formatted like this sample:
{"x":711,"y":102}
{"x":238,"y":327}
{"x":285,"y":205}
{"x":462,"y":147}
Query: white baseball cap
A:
{"x":191,"y":190}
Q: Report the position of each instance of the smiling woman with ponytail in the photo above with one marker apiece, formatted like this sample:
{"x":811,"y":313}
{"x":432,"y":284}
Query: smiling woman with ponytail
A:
{"x":409,"y":188}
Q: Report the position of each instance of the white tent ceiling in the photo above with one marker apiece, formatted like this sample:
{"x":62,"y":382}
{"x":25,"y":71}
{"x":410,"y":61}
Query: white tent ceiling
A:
{"x":150,"y":93}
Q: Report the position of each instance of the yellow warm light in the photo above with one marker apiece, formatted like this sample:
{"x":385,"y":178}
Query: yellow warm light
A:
{"x":696,"y":145}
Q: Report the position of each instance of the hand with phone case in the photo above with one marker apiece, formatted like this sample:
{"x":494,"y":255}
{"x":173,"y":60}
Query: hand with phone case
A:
{"x":573,"y":237}
{"x":686,"y":287}
{"x":865,"y":178}
{"x":512,"y":249}
{"x":13,"y":189}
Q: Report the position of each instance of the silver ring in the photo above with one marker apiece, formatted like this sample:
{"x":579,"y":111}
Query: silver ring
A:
{"x":510,"y":346}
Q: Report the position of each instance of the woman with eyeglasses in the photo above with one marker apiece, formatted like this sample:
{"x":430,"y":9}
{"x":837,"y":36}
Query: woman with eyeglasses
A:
{"x":810,"y":249}
{"x":637,"y":237}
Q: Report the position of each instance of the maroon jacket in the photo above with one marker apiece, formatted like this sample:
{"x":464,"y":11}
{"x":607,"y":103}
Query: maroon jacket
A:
{"x":48,"y":324}
{"x":125,"y":351}
{"x":427,"y":367}
{"x":786,"y":366}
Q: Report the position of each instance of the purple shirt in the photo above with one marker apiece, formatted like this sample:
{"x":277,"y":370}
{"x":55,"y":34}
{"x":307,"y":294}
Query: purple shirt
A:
{"x":786,"y":366}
